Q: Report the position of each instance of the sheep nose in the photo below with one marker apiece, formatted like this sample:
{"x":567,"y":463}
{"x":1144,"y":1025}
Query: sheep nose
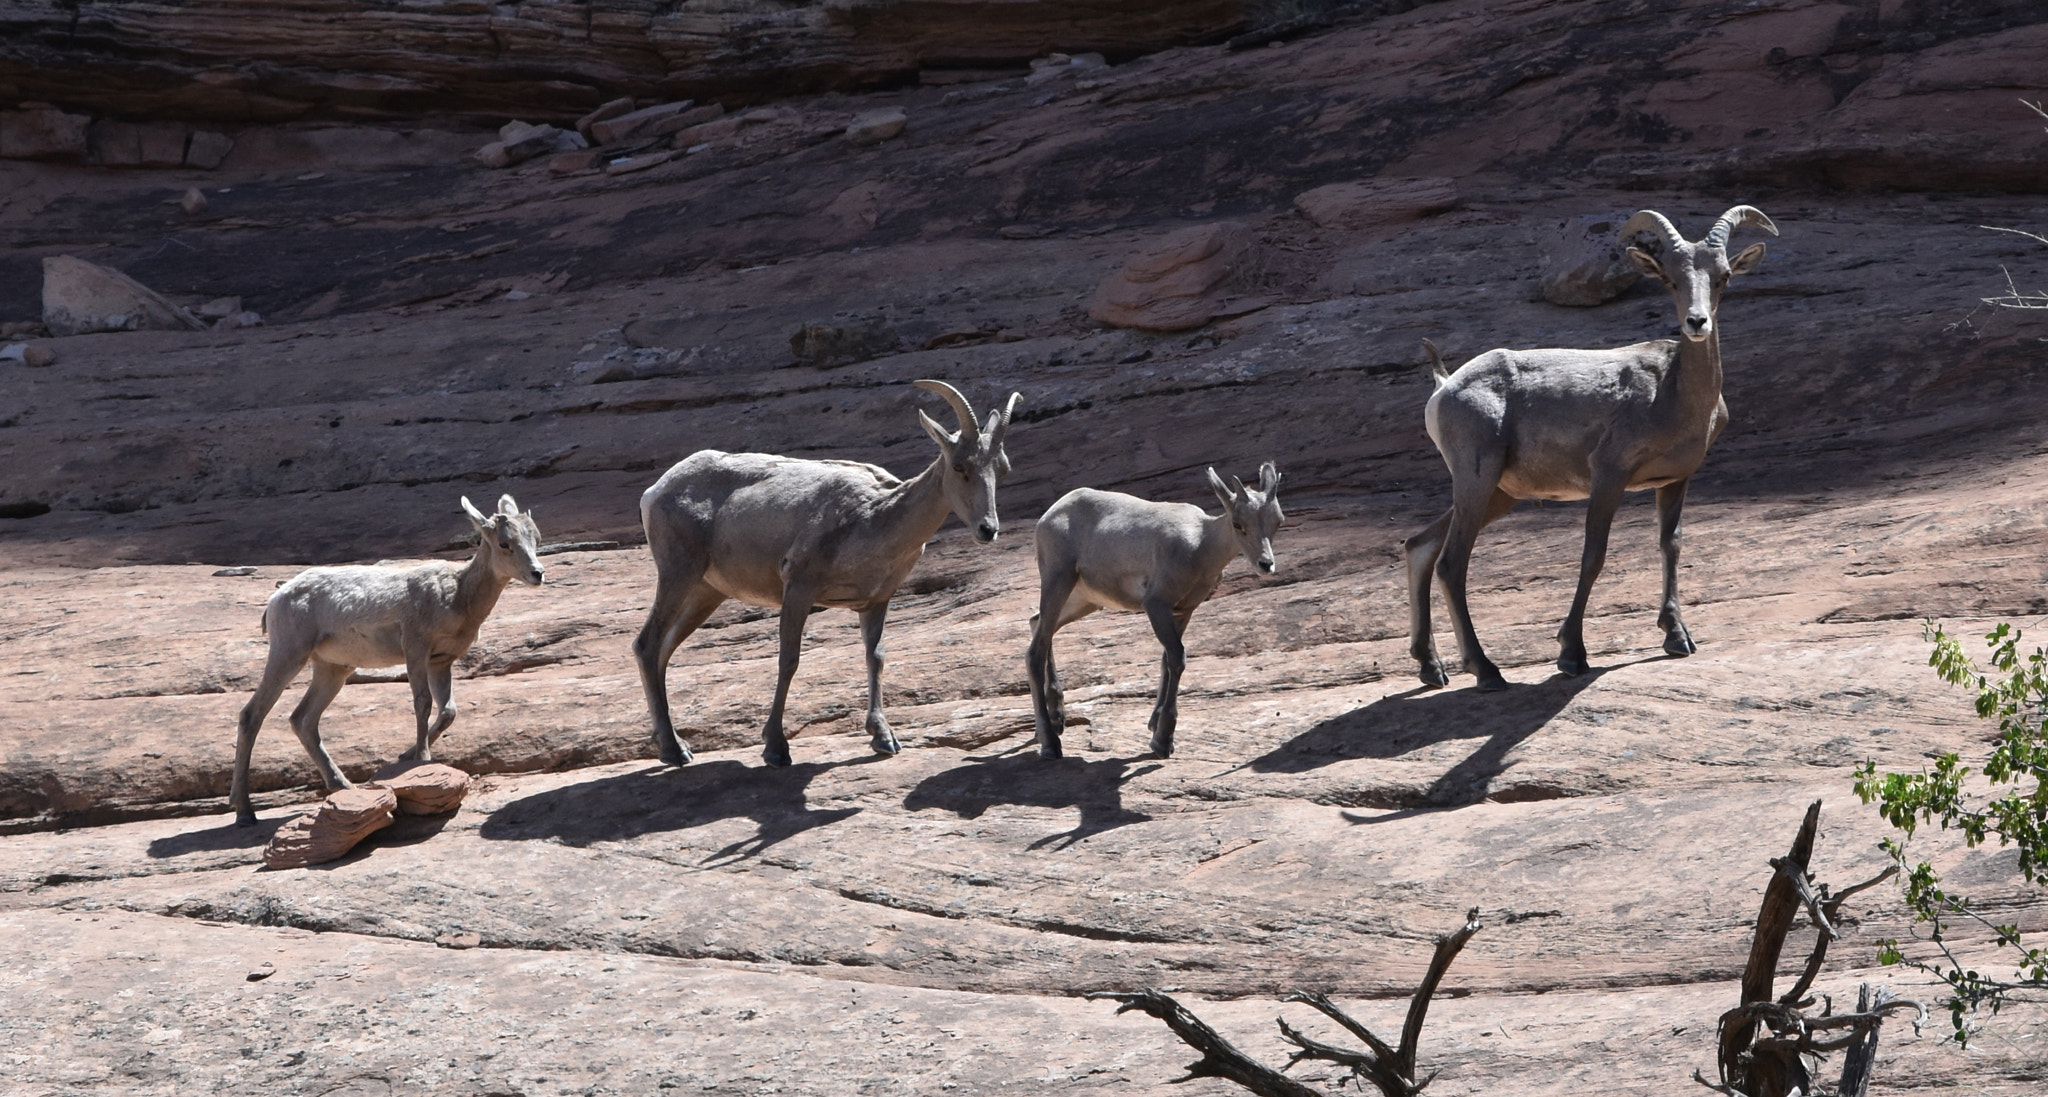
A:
{"x":986,"y":531}
{"x":1266,"y":566}
{"x":1697,"y":325}
{"x":538,"y":576}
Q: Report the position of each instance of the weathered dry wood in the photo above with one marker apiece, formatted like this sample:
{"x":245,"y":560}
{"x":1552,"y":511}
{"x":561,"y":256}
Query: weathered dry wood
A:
{"x":1219,"y":1058}
{"x":1775,"y":1065}
{"x":1390,"y":1069}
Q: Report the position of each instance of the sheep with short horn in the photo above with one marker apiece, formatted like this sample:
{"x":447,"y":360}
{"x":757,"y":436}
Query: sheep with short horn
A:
{"x":793,"y":534}
{"x":1581,"y":424}
{"x":1104,"y":548}
{"x":425,"y":616}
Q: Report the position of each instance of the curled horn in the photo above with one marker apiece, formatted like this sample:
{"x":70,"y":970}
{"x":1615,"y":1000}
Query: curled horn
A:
{"x":1002,"y":427}
{"x":969,"y":429}
{"x":1650,"y":220}
{"x":1738,"y":217}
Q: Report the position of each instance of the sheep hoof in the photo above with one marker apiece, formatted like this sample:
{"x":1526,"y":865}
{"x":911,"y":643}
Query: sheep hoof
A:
{"x":1433,"y":675}
{"x":885,"y":744}
{"x":1049,"y":747}
{"x":245,"y":818}
{"x":1162,"y":746}
{"x":776,"y":756}
{"x":1679,"y":642}
{"x":673,"y":751}
{"x":1573,"y":663}
{"x":1491,"y":682}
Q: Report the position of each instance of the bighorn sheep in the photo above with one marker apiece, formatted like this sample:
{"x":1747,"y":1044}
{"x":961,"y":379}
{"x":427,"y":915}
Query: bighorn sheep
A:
{"x":793,"y":534}
{"x":1580,"y":424}
{"x":341,"y":618}
{"x":1104,"y":548}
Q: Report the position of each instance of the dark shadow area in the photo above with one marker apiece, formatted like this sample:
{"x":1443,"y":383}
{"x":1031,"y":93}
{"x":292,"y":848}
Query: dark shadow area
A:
{"x":1095,"y":788}
{"x":663,"y":799}
{"x":410,"y":830}
{"x":215,"y":839}
{"x":1419,"y":718}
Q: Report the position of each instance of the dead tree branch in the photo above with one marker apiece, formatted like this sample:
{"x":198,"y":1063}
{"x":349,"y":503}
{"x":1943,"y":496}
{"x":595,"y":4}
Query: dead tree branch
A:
{"x":1390,"y":1069}
{"x":1753,"y":1064}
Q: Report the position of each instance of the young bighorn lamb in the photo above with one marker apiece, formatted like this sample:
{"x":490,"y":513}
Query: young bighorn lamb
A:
{"x":1104,"y":548}
{"x":793,"y":534}
{"x":1580,"y":424}
{"x":341,"y":618}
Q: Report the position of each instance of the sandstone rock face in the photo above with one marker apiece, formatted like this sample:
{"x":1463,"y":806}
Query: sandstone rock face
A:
{"x":1584,"y":262}
{"x":306,"y":60}
{"x":81,"y":297}
{"x":423,"y":788}
{"x":207,"y":150}
{"x":327,"y":834}
{"x":1169,"y":287}
{"x":43,"y":133}
{"x":1372,"y":203}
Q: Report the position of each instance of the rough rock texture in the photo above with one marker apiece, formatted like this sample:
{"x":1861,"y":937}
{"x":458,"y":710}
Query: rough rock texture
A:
{"x":80,"y":298}
{"x":1174,"y":283}
{"x":42,"y":133}
{"x":854,"y":924}
{"x":424,"y":788}
{"x":330,"y":831}
{"x":1373,"y":203}
{"x":551,"y":61}
{"x":1584,"y":261}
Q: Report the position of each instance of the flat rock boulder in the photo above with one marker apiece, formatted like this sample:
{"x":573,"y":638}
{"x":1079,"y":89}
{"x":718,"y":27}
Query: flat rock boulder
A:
{"x":1176,"y":283}
{"x":1371,"y":203}
{"x":876,"y":126}
{"x":81,"y":297}
{"x":343,"y":819}
{"x":42,"y":133}
{"x":1584,"y":262}
{"x":423,"y":788}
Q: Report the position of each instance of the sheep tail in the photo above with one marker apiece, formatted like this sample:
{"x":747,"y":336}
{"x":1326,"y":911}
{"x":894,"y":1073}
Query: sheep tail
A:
{"x":1436,"y":362}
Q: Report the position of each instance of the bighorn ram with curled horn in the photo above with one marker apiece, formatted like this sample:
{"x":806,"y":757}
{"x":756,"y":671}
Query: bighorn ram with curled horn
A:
{"x":792,"y":534}
{"x":1580,"y":424}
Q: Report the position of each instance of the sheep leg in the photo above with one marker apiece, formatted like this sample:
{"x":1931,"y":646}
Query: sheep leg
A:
{"x":1048,"y":703}
{"x":796,"y":610}
{"x":1600,"y":507}
{"x":880,"y":736}
{"x":327,"y":680}
{"x":1166,"y":711}
{"x":1670,"y":501}
{"x":678,"y":609}
{"x":283,"y":665}
{"x":419,"y":674}
{"x":441,"y":679}
{"x":1421,"y":552}
{"x":1470,"y":513}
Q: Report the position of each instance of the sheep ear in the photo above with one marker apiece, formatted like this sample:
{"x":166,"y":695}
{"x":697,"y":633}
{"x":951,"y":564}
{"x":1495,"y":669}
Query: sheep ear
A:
{"x":939,"y":434}
{"x":1748,"y":260}
{"x":1269,"y":478}
{"x":507,"y":506}
{"x":1221,"y":489}
{"x":1646,"y":263}
{"x":476,"y":517}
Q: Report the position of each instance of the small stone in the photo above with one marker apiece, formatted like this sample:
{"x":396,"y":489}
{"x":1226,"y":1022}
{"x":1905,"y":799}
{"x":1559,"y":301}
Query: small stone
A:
{"x":218,"y":308}
{"x":608,"y":111}
{"x":706,"y":133}
{"x":243,"y":319}
{"x":207,"y":150}
{"x":343,"y":819}
{"x":638,"y":163}
{"x":458,"y":940}
{"x":637,"y":124}
{"x":574,"y":163}
{"x":423,"y":788}
{"x":876,"y":126}
{"x":37,"y":357}
{"x":261,"y":972}
{"x":194,"y":202}
{"x":1584,"y":264}
{"x":229,"y":573}
{"x":81,"y":297}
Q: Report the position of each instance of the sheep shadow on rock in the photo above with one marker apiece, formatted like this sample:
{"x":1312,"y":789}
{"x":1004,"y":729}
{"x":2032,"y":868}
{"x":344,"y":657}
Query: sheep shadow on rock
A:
{"x":665,"y":799}
{"x":1093,"y":787}
{"x":218,"y":839}
{"x":1420,"y":718}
